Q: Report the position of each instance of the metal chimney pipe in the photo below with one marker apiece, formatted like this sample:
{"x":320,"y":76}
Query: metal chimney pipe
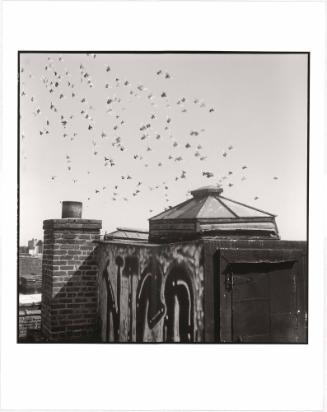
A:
{"x":71,"y":209}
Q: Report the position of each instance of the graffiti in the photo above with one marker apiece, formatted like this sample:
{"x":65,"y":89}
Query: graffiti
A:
{"x":179,"y":318}
{"x":152,"y":295}
{"x":112,"y":319}
{"x":149,"y":308}
{"x":113,"y":309}
{"x":178,"y":305}
{"x":119,"y":263}
{"x":130,"y":269}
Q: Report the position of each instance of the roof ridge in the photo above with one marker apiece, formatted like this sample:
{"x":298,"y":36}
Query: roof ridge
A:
{"x":130,"y":229}
{"x":197,"y":206}
{"x":228,"y":208}
{"x":203,"y":204}
{"x":248,"y":206}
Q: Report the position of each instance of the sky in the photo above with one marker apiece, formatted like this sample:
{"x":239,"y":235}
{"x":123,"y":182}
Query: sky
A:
{"x":131,"y":134}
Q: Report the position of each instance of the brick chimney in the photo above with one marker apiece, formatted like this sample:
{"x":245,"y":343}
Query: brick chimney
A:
{"x":69,"y":276}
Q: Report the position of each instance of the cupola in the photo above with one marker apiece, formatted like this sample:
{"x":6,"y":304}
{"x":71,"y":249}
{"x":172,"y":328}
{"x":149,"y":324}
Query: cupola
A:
{"x":209,"y":214}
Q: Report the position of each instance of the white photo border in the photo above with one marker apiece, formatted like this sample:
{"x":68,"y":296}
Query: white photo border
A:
{"x":145,"y":377}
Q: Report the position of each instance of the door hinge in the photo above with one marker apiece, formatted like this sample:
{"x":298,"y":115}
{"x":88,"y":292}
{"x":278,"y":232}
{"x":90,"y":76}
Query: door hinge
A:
{"x":229,"y":281}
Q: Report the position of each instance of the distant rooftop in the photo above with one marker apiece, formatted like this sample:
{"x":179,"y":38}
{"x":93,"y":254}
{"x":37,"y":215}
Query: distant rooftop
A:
{"x":31,"y":299}
{"x":124,"y":233}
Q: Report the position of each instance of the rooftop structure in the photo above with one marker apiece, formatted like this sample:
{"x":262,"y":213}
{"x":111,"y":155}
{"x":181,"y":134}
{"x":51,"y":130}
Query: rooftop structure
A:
{"x":213,"y":270}
{"x":209,"y":214}
{"x":123,"y":234}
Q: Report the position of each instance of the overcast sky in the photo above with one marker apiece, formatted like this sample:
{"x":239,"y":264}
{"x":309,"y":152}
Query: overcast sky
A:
{"x":132,"y":134}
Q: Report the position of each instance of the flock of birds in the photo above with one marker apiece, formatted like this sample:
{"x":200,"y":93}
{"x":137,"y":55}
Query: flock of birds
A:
{"x":108,"y":143}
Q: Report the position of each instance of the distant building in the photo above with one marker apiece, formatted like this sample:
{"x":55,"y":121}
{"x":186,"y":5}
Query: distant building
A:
{"x":39,"y":247}
{"x":35,"y":247}
{"x":29,"y":265}
{"x":32,"y":243}
{"x":30,"y":273}
{"x":30,"y":285}
{"x":23,"y":250}
{"x":29,"y":317}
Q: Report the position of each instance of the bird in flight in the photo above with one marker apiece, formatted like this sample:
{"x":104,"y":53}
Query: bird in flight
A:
{"x":207,"y":174}
{"x":194,"y":133}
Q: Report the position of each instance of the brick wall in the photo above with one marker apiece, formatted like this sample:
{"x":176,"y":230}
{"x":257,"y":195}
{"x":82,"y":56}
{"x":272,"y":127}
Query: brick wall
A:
{"x":29,"y":321}
{"x":69,"y":279}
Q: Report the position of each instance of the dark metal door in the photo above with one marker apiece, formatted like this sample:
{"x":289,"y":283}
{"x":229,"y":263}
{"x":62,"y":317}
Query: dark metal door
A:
{"x":259,"y":296}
